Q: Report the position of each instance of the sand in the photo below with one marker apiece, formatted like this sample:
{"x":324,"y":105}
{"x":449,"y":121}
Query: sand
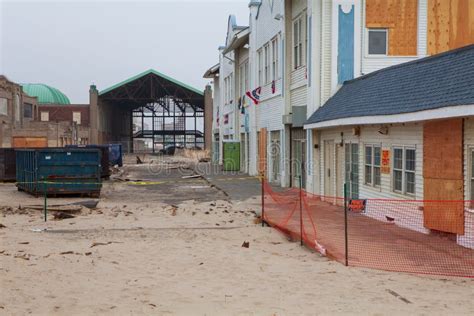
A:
{"x":134,"y":257}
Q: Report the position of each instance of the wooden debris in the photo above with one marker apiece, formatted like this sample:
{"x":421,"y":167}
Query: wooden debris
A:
{"x":24,"y":243}
{"x":401,"y":298}
{"x":192,"y":177}
{"x":67,"y":253}
{"x":61,"y":215}
{"x":246,"y":244}
{"x":95,"y":244}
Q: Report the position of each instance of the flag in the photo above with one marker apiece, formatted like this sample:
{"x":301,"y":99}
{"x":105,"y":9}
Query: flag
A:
{"x":273,"y":87}
{"x":254,"y":95}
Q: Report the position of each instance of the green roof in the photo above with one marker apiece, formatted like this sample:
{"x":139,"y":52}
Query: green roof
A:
{"x":159,"y":74}
{"x":45,"y":93}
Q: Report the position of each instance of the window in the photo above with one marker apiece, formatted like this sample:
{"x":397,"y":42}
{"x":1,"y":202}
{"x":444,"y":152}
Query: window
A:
{"x":378,"y":41}
{"x":3,"y":106}
{"x":275,"y":58}
{"x":27,"y":110}
{"x":372,"y":165}
{"x":44,"y":116}
{"x":228,"y":91}
{"x":267,"y":63}
{"x":244,"y":78}
{"x":298,"y":42}
{"x":76,"y":117}
{"x":404,"y":165}
{"x":260,"y":67}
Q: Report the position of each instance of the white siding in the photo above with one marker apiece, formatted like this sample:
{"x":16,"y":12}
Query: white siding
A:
{"x":298,"y":77}
{"x":468,"y":239}
{"x":269,"y":114}
{"x":400,"y":135}
{"x":298,"y":96}
{"x":326,"y":51}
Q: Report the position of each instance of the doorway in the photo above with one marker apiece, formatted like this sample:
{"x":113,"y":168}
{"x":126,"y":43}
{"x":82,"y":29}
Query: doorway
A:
{"x":329,"y":168}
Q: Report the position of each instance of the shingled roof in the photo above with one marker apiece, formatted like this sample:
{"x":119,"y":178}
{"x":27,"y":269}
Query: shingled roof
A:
{"x":438,"y":81}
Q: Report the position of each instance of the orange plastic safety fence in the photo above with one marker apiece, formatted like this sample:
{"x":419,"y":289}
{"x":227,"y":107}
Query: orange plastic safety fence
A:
{"x":422,"y":237}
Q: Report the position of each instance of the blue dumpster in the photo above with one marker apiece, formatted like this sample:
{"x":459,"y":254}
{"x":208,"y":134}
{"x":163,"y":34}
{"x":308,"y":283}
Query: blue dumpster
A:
{"x":115,"y":152}
{"x":59,"y":171}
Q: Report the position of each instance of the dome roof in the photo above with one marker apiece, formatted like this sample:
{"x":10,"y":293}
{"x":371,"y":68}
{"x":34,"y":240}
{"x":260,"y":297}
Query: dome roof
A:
{"x":45,"y":93}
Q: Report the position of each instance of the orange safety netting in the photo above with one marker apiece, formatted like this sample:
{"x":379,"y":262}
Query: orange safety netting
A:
{"x":381,"y":234}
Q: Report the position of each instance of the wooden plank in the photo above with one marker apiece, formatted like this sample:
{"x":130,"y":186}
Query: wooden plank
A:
{"x":443,"y":150}
{"x":450,"y":24}
{"x":30,"y":142}
{"x":441,"y":215}
{"x":400,"y":17}
{"x":443,"y":175}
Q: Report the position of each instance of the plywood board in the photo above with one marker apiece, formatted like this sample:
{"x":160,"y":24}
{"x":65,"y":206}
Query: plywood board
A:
{"x":450,"y":24}
{"x":30,"y":142}
{"x":400,"y":17}
{"x":443,"y":150}
{"x":443,"y":175}
{"x":446,"y":215}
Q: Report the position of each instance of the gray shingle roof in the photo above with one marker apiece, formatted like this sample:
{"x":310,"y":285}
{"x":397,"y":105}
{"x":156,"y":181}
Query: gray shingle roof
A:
{"x":433,"y":82}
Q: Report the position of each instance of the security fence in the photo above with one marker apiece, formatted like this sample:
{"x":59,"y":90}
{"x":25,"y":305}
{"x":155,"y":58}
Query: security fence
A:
{"x":382,"y":234}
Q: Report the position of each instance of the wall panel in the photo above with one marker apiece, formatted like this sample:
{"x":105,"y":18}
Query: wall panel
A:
{"x":401,"y":18}
{"x":450,"y":24}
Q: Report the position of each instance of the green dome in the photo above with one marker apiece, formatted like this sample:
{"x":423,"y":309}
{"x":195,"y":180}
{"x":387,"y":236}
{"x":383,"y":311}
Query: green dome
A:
{"x":45,"y":93}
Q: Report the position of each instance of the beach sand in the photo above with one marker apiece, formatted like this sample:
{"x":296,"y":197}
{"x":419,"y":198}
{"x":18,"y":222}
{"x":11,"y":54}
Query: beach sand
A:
{"x":131,"y":256}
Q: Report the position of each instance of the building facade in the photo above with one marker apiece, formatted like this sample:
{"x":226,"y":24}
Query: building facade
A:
{"x":303,"y":53}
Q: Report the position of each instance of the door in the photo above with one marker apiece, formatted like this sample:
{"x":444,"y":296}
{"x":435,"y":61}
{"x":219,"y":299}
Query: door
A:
{"x":329,"y":173}
{"x":275,"y":155}
{"x":339,"y":172}
{"x":352,"y":170}
{"x":298,"y":157}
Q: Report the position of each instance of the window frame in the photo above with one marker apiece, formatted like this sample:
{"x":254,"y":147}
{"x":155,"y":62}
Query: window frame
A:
{"x":260,"y":66}
{"x":244,"y":77}
{"x":298,"y":43}
{"x":28,"y":106}
{"x":404,"y":171}
{"x":369,"y":30}
{"x":267,"y":62}
{"x":80,"y":117}
{"x":373,"y":167}
{"x":275,"y":58}
{"x":46,"y":113}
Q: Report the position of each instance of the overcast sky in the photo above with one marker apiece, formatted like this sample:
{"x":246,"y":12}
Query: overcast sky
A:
{"x":71,"y":44}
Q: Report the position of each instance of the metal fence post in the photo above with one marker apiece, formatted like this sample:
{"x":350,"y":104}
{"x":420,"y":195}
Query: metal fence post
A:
{"x":45,"y":201}
{"x":345,"y":227}
{"x":301,"y":209}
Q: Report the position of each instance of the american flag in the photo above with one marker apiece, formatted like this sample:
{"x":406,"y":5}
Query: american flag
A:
{"x":254,"y":95}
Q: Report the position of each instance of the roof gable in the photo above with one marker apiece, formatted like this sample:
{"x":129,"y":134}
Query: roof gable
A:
{"x":157,"y":73}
